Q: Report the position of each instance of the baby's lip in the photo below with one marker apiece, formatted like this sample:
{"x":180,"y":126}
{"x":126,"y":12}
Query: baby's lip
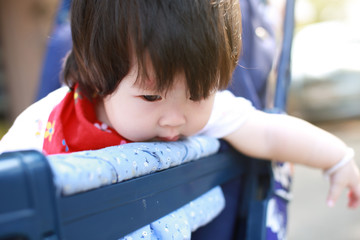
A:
{"x":168,"y":139}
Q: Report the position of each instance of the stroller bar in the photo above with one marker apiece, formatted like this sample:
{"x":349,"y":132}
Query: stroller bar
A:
{"x":283,"y":68}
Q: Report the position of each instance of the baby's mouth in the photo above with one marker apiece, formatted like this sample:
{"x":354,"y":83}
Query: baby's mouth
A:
{"x":168,"y":139}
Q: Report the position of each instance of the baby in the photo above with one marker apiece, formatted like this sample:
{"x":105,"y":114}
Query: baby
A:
{"x":156,"y":71}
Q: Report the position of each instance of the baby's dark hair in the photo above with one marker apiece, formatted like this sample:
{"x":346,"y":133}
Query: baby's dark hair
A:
{"x":200,"y":38}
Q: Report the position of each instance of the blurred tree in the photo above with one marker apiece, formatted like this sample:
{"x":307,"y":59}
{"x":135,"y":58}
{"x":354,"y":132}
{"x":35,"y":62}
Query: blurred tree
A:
{"x":312,"y":11}
{"x":24,"y":28}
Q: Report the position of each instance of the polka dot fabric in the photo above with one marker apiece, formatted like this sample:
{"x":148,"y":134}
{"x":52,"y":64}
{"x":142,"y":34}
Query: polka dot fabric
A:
{"x":179,"y":224}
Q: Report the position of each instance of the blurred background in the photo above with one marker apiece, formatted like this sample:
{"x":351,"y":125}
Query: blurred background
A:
{"x":24,"y":30}
{"x":325,"y":90}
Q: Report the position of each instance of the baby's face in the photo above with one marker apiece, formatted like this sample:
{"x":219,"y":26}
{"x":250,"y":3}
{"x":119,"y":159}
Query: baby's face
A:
{"x":141,"y":114}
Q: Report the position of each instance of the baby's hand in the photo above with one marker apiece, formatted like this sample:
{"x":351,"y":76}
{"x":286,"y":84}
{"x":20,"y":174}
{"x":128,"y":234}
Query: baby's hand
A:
{"x":345,"y":177}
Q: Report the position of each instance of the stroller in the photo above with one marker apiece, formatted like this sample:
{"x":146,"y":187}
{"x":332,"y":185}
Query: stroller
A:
{"x":36,"y":202}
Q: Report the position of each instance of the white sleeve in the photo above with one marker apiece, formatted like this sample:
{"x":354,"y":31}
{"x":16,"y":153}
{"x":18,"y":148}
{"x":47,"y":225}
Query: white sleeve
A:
{"x":29,"y":128}
{"x":228,"y":114}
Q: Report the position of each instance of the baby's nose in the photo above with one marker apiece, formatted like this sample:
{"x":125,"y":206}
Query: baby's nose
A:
{"x":172,"y":118}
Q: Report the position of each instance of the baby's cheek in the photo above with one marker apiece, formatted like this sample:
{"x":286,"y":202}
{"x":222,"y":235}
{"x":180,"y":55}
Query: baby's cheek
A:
{"x":197,"y":124}
{"x":200,"y":114}
{"x":137,"y":130}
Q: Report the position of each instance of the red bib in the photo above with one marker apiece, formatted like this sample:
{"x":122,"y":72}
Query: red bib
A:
{"x":73,"y":126}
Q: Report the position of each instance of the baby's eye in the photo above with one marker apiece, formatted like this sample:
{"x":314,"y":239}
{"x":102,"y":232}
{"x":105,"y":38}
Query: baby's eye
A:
{"x":151,"y":98}
{"x":197,"y":100}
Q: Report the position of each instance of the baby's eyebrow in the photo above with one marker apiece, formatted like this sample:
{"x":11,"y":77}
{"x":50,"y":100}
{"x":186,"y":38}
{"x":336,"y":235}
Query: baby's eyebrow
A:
{"x":149,"y":83}
{"x":148,"y":90}
{"x":145,"y":81}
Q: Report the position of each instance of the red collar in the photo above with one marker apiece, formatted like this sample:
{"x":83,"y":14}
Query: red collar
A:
{"x":73,"y":126}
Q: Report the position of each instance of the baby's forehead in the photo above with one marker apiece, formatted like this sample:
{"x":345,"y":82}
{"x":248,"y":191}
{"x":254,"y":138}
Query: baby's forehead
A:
{"x":147,"y":79}
{"x":152,"y":84}
{"x":160,"y":78}
{"x":146,"y":83}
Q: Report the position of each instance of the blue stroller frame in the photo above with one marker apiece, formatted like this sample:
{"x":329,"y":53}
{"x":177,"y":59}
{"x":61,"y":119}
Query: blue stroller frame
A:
{"x":30,"y":208}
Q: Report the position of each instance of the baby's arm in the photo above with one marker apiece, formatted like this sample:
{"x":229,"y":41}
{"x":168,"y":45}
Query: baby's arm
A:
{"x":289,"y":139}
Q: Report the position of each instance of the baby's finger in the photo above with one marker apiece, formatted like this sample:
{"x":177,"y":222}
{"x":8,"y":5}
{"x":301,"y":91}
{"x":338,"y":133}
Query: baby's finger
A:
{"x":354,"y":197}
{"x":334,"y":193}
